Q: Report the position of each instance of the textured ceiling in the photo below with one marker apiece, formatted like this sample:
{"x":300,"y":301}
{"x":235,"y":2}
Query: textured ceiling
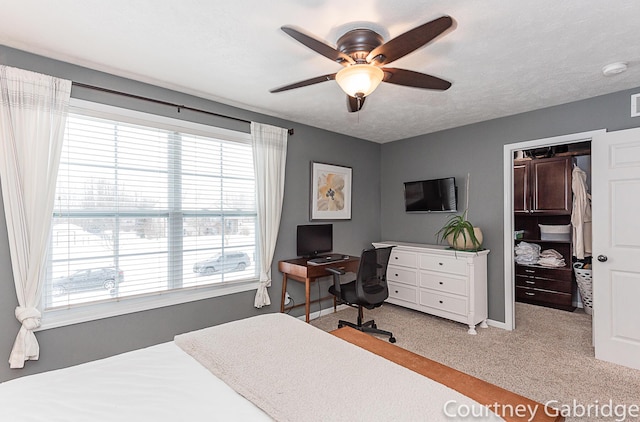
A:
{"x":503,"y":57}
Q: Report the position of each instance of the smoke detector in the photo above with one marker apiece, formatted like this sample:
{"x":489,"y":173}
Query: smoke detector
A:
{"x":614,"y":68}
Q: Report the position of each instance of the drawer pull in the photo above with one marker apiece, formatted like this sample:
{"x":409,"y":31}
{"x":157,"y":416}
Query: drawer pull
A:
{"x":530,"y":271}
{"x":530,"y":282}
{"x":440,"y":301}
{"x":396,"y":275}
{"x":396,"y":291}
{"x":440,"y":263}
{"x":529,"y":294}
{"x":396,"y":257}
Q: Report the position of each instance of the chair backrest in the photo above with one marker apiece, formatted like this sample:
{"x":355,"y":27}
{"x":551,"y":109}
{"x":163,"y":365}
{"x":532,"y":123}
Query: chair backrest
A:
{"x":371,"y":280}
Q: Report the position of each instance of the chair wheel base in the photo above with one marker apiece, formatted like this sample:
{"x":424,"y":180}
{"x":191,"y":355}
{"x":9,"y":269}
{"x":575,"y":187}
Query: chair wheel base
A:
{"x":367,"y":327}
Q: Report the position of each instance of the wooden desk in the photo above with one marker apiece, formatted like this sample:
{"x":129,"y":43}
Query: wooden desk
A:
{"x":298,"y":270}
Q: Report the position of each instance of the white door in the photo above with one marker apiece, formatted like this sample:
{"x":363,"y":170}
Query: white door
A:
{"x":616,"y":246}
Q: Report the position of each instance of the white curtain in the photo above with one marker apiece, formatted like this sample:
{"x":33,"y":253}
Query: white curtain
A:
{"x":269,"y":159}
{"x":33,"y":109}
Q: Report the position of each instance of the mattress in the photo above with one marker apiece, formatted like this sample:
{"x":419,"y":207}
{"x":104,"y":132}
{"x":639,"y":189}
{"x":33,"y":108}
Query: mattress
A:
{"x":266,"y":367}
{"x":158,"y":383}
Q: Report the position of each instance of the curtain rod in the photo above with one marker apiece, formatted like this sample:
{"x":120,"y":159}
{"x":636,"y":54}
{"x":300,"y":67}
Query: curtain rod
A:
{"x":178,"y":106}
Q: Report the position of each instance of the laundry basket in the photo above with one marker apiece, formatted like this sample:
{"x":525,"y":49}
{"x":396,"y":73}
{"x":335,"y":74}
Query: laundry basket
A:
{"x":585,"y":285}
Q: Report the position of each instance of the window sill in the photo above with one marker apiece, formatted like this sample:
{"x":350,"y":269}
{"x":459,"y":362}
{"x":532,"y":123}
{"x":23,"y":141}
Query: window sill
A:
{"x":94,"y":311}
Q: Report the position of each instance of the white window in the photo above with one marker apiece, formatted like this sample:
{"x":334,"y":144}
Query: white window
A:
{"x":148,"y":212}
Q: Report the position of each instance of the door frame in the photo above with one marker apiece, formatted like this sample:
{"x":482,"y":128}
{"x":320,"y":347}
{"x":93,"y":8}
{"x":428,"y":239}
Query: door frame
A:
{"x":509,"y":267}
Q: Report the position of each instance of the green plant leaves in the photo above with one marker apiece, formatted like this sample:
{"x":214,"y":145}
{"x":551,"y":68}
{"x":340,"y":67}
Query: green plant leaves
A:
{"x":456,"y":226}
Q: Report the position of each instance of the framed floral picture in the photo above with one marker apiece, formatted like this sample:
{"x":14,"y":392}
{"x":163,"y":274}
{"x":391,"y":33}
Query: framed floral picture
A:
{"x":330,"y":192}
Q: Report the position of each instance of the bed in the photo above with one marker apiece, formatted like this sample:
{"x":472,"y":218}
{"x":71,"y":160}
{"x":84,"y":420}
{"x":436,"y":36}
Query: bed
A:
{"x":269,"y":367}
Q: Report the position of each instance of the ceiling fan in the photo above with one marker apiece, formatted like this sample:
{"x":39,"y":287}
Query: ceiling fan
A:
{"x":362,"y":52}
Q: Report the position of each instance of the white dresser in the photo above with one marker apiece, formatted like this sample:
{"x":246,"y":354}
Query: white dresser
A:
{"x":439,"y":281}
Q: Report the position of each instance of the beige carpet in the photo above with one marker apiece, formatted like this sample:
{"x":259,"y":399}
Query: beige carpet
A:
{"x":547,"y":357}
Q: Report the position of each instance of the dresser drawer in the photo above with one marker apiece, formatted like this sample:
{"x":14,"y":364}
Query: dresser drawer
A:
{"x":446,"y":281}
{"x":403,"y":258}
{"x":544,"y":284}
{"x":548,"y":273}
{"x":402,"y":275}
{"x":402,"y":292}
{"x":443,"y":264}
{"x":443,"y":283}
{"x":543,"y":296}
{"x":456,"y":305}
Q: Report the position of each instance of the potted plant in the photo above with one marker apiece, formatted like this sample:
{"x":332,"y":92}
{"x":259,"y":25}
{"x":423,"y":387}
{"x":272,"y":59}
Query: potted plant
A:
{"x":459,"y":232}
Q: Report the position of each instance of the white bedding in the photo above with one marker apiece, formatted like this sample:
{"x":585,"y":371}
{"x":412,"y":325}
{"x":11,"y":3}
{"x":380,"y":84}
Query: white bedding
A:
{"x":292,"y":371}
{"x":327,"y":378}
{"x":159,"y":383}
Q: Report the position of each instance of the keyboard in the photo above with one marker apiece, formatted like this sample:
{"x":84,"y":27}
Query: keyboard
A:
{"x":327,"y":259}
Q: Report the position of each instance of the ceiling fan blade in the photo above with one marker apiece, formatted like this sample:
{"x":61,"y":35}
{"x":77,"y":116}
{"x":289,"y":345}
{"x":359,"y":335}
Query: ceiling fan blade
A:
{"x":307,"y":82}
{"x":414,"y":79}
{"x":409,"y":41}
{"x":354,"y":104}
{"x":317,"y":45}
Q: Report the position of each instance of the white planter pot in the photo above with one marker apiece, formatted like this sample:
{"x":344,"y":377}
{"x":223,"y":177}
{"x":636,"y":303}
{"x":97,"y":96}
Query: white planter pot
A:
{"x":461,"y":244}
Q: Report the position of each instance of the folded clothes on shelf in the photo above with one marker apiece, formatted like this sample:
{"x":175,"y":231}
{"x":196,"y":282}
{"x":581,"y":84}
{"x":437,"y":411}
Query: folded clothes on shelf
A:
{"x":550,"y":253}
{"x":551,"y":258}
{"x":531,"y":254}
{"x":527,"y":253}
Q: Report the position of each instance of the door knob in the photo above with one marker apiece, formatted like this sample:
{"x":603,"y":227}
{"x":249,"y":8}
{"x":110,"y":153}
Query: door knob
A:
{"x":602,"y":258}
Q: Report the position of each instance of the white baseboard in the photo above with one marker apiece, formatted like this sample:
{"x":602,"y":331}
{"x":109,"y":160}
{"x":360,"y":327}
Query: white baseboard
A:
{"x":318,"y":314}
{"x":329,"y":310}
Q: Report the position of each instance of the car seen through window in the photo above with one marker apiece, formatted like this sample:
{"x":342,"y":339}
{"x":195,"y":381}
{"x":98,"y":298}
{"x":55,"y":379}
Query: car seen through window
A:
{"x":222,"y":263}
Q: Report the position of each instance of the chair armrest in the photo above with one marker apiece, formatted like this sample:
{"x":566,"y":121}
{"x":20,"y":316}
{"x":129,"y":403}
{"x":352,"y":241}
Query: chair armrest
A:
{"x":337,"y":272}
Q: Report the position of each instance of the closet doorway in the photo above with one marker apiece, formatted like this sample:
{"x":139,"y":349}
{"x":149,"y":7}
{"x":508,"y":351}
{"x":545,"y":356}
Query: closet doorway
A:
{"x":517,"y":216}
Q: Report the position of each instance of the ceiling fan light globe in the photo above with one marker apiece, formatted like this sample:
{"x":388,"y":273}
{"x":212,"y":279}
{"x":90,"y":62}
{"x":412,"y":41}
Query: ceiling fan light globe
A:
{"x":359,"y":79}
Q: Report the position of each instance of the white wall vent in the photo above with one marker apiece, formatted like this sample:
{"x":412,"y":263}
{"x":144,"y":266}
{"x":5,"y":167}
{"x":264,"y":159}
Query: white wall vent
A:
{"x":635,"y":105}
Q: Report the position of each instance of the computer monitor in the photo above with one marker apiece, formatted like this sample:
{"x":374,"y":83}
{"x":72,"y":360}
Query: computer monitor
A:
{"x":314,"y":239}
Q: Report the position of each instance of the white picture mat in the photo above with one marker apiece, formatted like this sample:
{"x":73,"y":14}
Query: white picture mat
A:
{"x":330,"y":192}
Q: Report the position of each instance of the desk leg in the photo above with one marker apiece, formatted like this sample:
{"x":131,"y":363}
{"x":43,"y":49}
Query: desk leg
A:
{"x":307,"y":297}
{"x":284,"y":291}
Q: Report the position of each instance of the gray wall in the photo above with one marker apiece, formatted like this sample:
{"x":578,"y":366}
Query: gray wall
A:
{"x":78,"y":343}
{"x":378,"y":213}
{"x":478,"y":149}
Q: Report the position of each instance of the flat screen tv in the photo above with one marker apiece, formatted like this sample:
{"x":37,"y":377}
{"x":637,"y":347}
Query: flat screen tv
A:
{"x":314,"y":239}
{"x":435,"y":195}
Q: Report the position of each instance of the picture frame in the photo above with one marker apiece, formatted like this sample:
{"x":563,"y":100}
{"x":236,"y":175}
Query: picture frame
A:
{"x":330,"y":192}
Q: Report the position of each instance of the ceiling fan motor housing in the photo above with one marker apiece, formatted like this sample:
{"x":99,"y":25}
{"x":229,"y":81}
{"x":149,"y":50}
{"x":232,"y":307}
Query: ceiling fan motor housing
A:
{"x":358,"y":43}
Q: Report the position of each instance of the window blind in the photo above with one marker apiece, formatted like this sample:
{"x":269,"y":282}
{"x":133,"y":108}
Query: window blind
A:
{"x":147,"y":210}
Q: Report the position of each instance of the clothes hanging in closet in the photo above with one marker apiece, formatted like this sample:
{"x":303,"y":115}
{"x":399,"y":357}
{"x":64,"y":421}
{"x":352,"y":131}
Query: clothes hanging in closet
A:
{"x":581,"y":214}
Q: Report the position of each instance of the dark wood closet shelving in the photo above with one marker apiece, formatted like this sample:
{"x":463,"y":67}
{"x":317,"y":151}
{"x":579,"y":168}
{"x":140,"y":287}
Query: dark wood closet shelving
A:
{"x":542,"y":195}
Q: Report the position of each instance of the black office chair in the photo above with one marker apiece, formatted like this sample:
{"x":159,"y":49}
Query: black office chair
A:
{"x":369,"y":289}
